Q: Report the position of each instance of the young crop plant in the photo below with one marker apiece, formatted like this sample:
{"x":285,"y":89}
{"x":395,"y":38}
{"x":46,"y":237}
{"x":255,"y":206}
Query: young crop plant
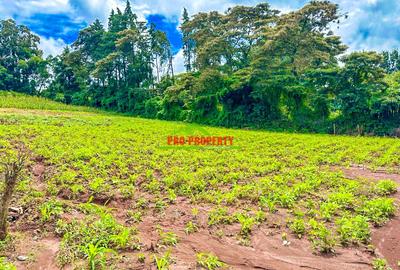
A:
{"x":298,"y":226}
{"x":167,"y":238}
{"x":51,"y":210}
{"x":195,"y":212}
{"x":96,"y":255}
{"x":380,"y":264}
{"x":247,"y":222}
{"x":135,"y":216}
{"x":386,"y":187}
{"x":4,"y":265}
{"x":209,"y":261}
{"x":322,"y":237}
{"x":260,"y":216}
{"x":191,"y":227}
{"x":353,"y":230}
{"x":329,"y":209}
{"x":378,"y":210}
{"x":141,"y":257}
{"x":268,"y":203}
{"x":93,"y":234}
{"x":218,"y":216}
{"x":163,"y":262}
{"x":344,"y":199}
{"x":142,"y":203}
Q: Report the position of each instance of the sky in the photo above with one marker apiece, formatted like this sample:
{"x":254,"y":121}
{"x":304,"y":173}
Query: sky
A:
{"x":371,"y":24}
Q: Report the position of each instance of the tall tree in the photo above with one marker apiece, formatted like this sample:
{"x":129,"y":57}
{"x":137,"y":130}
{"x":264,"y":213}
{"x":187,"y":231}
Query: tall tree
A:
{"x":391,"y":61}
{"x":188,"y":43}
{"x":289,"y":46}
{"x":360,"y":79}
{"x":21,"y":62}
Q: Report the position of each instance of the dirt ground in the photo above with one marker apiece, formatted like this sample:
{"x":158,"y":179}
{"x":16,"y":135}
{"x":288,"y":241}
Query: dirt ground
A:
{"x":265,"y":250}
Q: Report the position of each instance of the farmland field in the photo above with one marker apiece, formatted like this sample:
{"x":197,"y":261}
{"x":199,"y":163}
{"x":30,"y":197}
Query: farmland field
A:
{"x":106,"y":191}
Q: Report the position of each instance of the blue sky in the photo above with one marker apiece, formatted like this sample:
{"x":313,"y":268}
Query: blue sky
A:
{"x":372,"y":24}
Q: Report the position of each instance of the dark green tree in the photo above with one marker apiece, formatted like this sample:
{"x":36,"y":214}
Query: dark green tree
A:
{"x":22,"y":67}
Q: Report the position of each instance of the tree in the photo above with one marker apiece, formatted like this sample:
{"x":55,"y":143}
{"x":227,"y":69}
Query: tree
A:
{"x":391,"y":61}
{"x":223,"y":40}
{"x":12,"y":170}
{"x":21,"y":64}
{"x":360,"y":79}
{"x":289,"y":46}
{"x":188,"y":43}
{"x":386,"y":103}
{"x":161,"y":51}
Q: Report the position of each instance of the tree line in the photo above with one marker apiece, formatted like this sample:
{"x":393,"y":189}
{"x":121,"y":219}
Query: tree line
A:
{"x":251,"y":66}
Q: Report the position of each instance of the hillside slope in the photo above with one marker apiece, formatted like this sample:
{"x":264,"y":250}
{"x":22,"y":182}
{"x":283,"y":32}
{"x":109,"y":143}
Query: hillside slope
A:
{"x":97,"y":182}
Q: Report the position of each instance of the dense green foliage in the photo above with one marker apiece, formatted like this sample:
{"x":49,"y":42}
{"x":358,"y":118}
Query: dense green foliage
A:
{"x":248,"y":67}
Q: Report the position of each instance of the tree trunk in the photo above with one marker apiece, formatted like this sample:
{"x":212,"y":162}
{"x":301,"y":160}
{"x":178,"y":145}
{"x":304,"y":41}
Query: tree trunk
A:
{"x":10,"y":182}
{"x":12,"y":171}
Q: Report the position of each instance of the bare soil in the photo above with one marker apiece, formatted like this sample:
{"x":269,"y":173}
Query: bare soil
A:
{"x":265,"y":249}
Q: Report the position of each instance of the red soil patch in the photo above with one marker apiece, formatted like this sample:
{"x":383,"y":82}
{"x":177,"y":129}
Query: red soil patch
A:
{"x":266,"y":249}
{"x":44,"y":254}
{"x":387,"y":238}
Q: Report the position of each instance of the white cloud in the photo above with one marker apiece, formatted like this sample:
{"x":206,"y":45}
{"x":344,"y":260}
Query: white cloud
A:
{"x":51,"y":46}
{"x":179,"y":63}
{"x":95,"y":9}
{"x":372,"y":24}
{"x":26,"y":8}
